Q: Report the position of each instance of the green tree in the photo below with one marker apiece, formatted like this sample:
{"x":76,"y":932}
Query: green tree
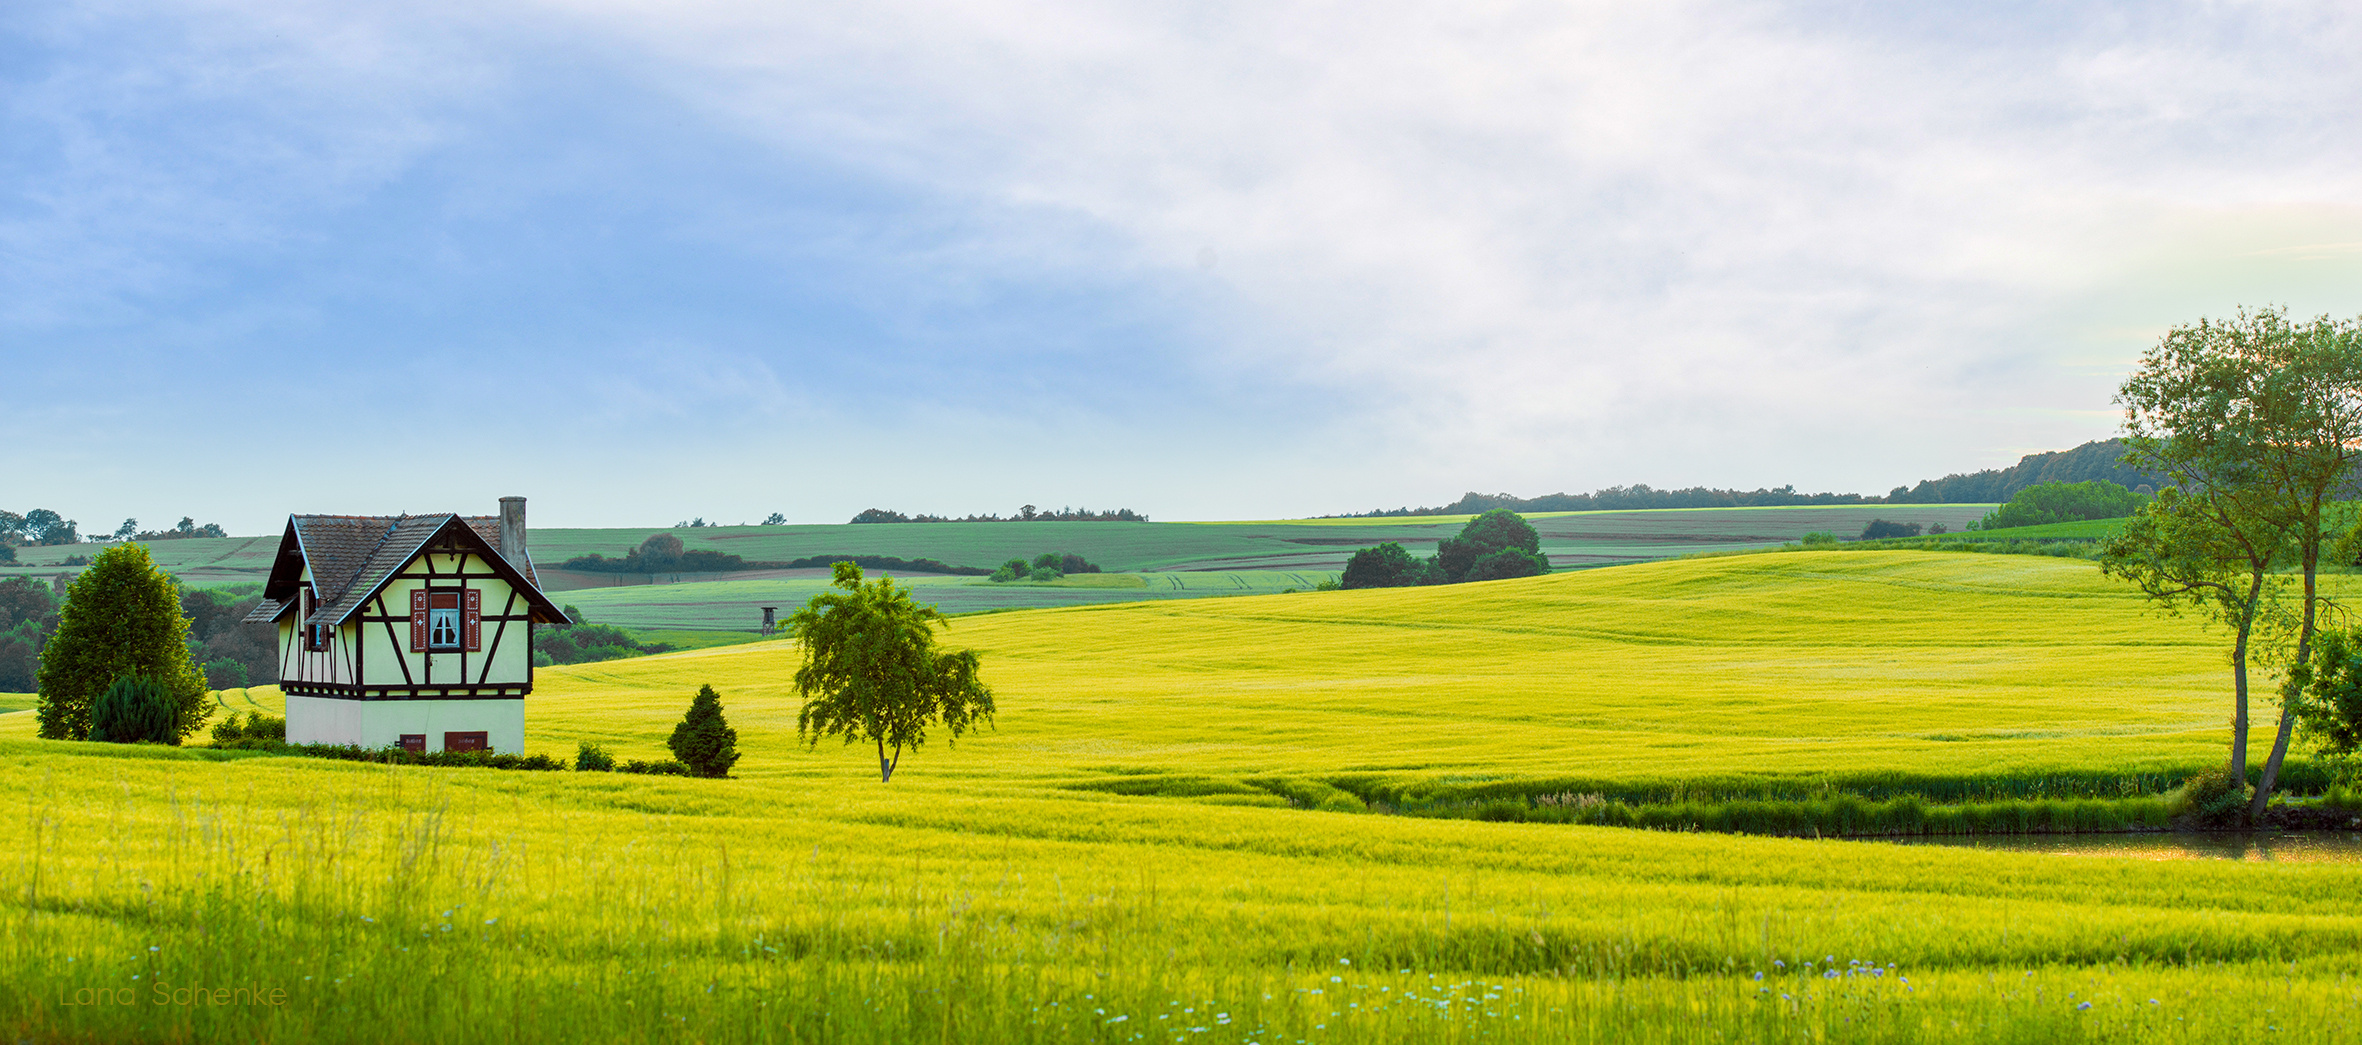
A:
{"x":1484,"y":535}
{"x":2213,"y":552}
{"x":2270,"y":412}
{"x":1385,"y":566}
{"x":122,"y":617}
{"x":703,"y":740}
{"x":136,"y":709}
{"x":871,"y":672}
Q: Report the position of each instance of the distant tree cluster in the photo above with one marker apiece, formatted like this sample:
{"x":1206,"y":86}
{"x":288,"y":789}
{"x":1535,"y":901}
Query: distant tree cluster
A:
{"x":185,"y":529}
{"x":1048,"y":566}
{"x":37,"y":527}
{"x":42,"y":526}
{"x":28,"y":617}
{"x":2045,"y":503}
{"x":230,"y":653}
{"x":1880,"y":529}
{"x":1493,"y":546}
{"x":583,"y":642}
{"x":660,"y":553}
{"x":1026,"y":513}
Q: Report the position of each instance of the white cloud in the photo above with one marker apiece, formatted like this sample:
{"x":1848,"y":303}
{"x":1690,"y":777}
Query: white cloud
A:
{"x":1516,"y":246}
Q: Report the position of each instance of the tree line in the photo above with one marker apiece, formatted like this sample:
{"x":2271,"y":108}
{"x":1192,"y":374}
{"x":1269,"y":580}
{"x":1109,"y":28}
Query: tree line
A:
{"x":2098,"y":460}
{"x":229,"y":653}
{"x":1025,"y":513}
{"x":1496,"y":545}
{"x":44,"y":527}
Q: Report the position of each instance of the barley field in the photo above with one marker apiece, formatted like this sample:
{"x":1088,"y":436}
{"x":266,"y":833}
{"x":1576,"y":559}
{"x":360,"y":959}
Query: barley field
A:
{"x":1017,"y":887}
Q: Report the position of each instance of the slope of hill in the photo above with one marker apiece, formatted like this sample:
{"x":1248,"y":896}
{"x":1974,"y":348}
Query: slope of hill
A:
{"x":1008,"y":889}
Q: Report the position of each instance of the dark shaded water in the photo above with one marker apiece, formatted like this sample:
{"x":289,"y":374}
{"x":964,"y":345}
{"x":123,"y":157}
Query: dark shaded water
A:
{"x":2288,"y":847}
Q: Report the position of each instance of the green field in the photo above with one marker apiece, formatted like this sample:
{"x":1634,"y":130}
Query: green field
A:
{"x":1255,"y":552}
{"x":1009,"y":889}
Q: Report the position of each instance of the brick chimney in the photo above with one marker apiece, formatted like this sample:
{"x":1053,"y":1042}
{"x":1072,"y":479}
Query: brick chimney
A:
{"x":512,"y":530}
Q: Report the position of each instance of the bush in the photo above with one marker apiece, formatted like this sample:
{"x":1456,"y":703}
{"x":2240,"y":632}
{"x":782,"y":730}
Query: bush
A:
{"x":1819,"y":538}
{"x":224,"y":673}
{"x":668,"y":767}
{"x":2214,"y":799}
{"x":394,"y":755}
{"x":591,"y":758}
{"x":253,"y":726}
{"x":703,"y":740}
{"x":1880,"y":529}
{"x":136,"y":709}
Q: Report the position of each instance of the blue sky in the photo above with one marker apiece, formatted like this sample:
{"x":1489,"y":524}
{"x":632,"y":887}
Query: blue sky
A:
{"x":643,"y":262}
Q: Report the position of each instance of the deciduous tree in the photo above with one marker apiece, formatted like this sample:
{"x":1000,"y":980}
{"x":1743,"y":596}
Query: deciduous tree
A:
{"x":2268,"y":411}
{"x":871,"y":671}
{"x":122,"y":618}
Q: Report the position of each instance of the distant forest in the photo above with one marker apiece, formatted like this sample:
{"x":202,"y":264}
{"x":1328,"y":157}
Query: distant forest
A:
{"x":2093,"y":460}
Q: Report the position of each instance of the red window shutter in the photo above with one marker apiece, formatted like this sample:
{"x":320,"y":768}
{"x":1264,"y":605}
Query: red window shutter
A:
{"x":472,"y":615}
{"x":418,"y":620}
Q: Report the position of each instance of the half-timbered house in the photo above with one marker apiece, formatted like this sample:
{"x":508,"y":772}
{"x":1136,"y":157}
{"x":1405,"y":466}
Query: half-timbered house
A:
{"x":414,"y":630}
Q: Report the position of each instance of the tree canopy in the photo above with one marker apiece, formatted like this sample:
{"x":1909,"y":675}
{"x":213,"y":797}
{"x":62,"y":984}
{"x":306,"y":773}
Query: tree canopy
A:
{"x":871,"y":670}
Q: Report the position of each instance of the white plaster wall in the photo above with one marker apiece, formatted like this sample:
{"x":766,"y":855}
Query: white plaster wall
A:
{"x":378,"y":723}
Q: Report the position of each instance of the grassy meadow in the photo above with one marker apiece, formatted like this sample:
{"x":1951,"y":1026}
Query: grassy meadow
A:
{"x":1162,"y":839}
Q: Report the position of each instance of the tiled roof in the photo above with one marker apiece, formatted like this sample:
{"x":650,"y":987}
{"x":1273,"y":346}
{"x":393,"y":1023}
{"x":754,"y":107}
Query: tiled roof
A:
{"x":267,"y":611}
{"x":351,"y":556}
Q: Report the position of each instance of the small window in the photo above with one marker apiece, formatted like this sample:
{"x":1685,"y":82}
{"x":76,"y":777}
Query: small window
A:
{"x":413,"y":741}
{"x":442,"y":620}
{"x":315,"y":637}
{"x":466,"y":741}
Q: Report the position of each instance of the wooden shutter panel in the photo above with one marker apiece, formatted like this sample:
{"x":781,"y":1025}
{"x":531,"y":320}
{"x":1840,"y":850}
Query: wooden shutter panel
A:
{"x":418,"y":620}
{"x":472,"y":613}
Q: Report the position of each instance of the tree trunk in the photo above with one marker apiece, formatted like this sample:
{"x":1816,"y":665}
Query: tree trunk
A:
{"x":885,"y":768}
{"x":2304,"y":650}
{"x":2239,"y":687}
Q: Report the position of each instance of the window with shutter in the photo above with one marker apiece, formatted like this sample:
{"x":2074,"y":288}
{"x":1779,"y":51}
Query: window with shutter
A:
{"x":418,"y":620}
{"x":442,"y":621}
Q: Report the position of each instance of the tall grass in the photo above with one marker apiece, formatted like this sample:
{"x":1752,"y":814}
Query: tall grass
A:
{"x":427,"y":904}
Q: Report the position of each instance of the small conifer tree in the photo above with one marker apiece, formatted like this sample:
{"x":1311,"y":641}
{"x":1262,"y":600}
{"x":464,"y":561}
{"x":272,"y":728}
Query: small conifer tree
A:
{"x":136,"y":708}
{"x":704,"y":740}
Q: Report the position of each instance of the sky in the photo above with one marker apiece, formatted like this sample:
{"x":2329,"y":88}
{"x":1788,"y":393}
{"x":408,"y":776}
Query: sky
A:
{"x":642,"y":262}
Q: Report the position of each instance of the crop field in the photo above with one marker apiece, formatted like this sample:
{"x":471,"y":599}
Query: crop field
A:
{"x":738,"y":601}
{"x":1127,"y":856}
